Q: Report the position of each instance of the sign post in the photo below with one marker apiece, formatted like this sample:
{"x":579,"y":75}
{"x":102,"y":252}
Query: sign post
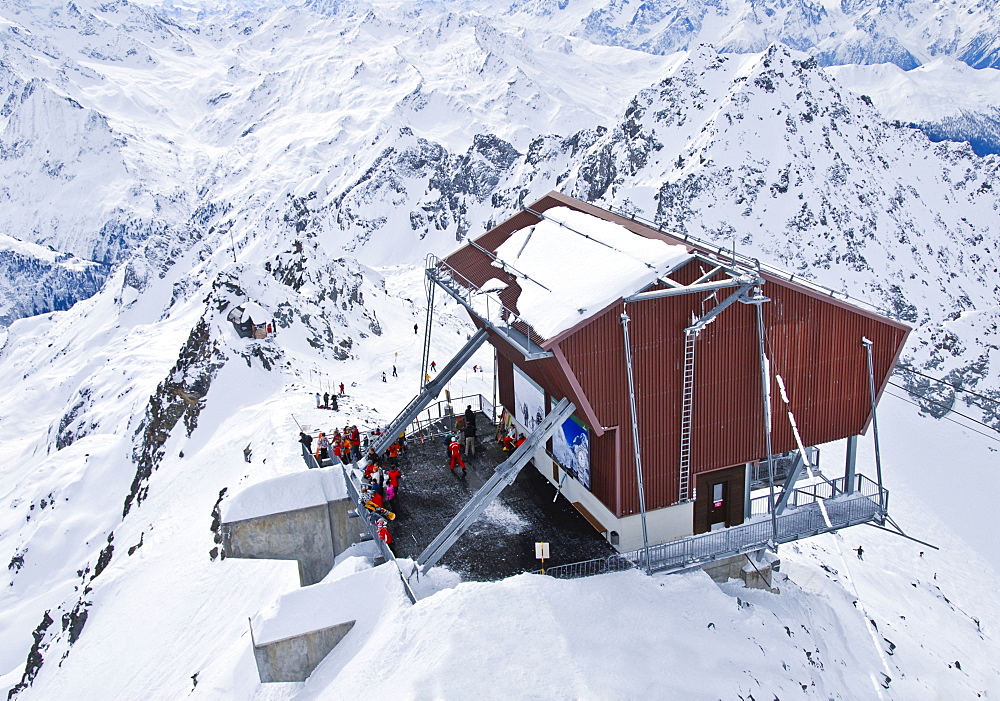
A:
{"x":542,"y":552}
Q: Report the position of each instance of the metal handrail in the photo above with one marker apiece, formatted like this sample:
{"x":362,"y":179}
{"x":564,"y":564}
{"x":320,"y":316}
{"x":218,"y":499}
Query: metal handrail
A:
{"x":501,"y":313}
{"x":755,"y":263}
{"x":844,"y":510}
{"x":831,"y":489}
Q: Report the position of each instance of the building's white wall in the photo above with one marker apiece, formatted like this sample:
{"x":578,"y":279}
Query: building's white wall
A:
{"x":662,"y":525}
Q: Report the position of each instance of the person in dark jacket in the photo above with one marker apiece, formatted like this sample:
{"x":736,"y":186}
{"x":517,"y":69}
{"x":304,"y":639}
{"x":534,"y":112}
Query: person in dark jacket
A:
{"x":470,"y":439}
{"x":306,"y":440}
{"x":470,"y":416}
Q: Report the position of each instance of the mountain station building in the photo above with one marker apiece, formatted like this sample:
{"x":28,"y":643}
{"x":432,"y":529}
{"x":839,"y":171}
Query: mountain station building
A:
{"x":688,"y":366}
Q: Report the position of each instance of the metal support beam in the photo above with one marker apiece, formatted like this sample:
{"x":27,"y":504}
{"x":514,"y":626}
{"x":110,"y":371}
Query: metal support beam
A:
{"x":741,"y":295}
{"x":790,"y":479}
{"x":428,"y":325}
{"x":688,"y":289}
{"x":429,"y":392}
{"x":765,"y":384}
{"x":635,"y":438}
{"x":871,"y":389}
{"x":850,"y":466}
{"x":505,"y":474}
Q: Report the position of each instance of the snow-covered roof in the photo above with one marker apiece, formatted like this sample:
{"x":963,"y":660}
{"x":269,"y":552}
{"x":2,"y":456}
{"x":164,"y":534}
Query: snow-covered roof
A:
{"x":255,"y":313}
{"x":339,"y":598}
{"x":571,"y":265}
{"x":299,"y":490}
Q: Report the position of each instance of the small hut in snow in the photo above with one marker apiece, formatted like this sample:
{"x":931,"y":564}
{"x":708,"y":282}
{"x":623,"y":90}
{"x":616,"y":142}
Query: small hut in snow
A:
{"x":251,"y":320}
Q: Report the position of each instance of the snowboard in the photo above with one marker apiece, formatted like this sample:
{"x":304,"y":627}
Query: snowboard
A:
{"x":380,"y":511}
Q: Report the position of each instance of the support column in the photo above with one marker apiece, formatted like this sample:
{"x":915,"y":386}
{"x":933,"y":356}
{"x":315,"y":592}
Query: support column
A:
{"x":871,"y":388}
{"x":765,"y":381}
{"x":850,"y":465}
{"x":635,"y":439}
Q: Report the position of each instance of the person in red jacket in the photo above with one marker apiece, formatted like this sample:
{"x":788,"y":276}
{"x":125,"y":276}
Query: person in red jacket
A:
{"x":508,"y":443}
{"x":383,"y":532}
{"x":520,"y":440}
{"x":455,"y":453}
{"x":394,"y":474}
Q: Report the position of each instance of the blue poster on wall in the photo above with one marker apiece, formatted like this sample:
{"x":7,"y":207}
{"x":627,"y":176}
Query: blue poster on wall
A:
{"x":571,"y":447}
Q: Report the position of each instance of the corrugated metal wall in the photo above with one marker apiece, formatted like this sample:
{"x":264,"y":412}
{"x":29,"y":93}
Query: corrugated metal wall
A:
{"x":813,"y":344}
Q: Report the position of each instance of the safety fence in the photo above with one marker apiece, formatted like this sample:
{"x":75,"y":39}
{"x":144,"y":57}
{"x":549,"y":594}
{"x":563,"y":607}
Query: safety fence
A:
{"x":366,"y":516}
{"x":794,"y":524}
{"x":439,"y":418}
{"x":823,"y":490}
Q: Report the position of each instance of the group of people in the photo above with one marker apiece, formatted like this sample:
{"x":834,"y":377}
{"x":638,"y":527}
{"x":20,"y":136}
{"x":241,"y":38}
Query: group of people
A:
{"x":512,"y":440}
{"x":343,"y":446}
{"x":381,"y":475}
{"x":380,"y":486}
{"x":328,"y":400}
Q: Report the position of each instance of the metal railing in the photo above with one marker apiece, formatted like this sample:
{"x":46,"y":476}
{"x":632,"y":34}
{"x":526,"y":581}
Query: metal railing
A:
{"x":801,"y":522}
{"x":431,"y":421}
{"x":354,"y":492}
{"x":486,"y":305}
{"x":589,"y":568}
{"x":831,"y":489}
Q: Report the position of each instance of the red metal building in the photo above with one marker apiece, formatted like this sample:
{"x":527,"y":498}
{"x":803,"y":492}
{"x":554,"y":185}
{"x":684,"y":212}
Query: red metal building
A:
{"x":575,"y":296}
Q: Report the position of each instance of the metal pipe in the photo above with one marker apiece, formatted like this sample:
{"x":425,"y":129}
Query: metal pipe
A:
{"x":871,"y":389}
{"x":765,"y":384}
{"x":635,"y":438}
{"x":687,"y":289}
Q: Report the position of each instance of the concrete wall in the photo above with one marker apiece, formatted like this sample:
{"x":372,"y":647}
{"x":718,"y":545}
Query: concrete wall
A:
{"x":663,"y":525}
{"x":294,"y":659}
{"x":313,"y":536}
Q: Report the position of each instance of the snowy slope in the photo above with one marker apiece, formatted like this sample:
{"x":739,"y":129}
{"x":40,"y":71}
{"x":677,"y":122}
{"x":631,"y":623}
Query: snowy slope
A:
{"x":906,"y":33}
{"x":305,"y":159}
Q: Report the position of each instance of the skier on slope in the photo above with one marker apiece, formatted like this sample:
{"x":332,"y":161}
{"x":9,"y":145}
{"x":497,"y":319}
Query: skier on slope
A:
{"x":455,"y":454}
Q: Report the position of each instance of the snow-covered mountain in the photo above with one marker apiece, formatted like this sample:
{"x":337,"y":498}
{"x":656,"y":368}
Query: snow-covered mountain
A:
{"x":163,"y":164}
{"x":907,"y":33}
{"x":944,"y":98}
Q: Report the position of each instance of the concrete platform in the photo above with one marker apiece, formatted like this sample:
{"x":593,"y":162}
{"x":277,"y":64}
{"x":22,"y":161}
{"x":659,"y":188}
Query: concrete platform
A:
{"x":502,"y":542}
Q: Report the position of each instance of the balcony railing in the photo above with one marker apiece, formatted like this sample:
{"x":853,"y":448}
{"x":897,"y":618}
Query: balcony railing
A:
{"x":800,"y":520}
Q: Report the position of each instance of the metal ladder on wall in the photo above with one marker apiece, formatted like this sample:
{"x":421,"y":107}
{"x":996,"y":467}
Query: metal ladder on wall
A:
{"x":687,"y":415}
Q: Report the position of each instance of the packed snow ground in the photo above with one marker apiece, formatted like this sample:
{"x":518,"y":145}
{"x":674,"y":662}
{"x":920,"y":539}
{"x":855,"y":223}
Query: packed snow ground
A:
{"x":167,"y":615}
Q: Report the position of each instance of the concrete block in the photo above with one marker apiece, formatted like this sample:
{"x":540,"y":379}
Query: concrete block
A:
{"x":294,"y":658}
{"x":759,"y":571}
{"x":313,"y":536}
